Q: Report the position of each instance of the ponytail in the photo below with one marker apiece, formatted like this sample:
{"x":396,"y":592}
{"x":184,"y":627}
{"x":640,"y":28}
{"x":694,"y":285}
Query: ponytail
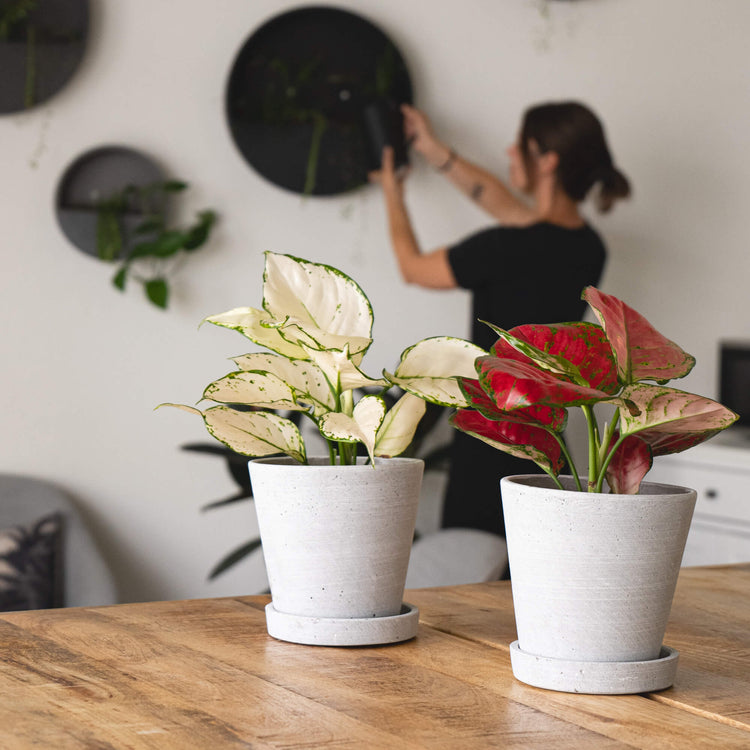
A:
{"x":613,"y":186}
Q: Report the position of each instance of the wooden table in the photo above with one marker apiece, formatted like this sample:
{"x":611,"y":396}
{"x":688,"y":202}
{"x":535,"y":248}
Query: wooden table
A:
{"x":204,"y":674}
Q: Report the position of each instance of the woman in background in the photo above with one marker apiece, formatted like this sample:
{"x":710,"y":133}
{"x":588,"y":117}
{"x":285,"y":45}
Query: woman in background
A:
{"x":529,"y":268}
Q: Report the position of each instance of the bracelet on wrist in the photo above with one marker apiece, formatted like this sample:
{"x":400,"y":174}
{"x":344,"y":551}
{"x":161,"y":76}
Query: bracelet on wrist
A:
{"x":448,"y":163}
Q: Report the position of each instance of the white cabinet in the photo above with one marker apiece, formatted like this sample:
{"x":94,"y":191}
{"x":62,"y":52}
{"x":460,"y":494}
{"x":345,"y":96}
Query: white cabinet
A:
{"x":719,"y":471}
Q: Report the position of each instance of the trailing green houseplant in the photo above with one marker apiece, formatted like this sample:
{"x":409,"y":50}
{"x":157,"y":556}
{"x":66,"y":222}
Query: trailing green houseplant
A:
{"x":316,"y":324}
{"x":147,"y":253}
{"x":518,"y":402}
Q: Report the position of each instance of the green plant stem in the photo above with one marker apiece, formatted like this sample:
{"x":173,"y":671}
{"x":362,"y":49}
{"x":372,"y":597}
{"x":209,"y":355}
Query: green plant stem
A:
{"x":588,"y":412}
{"x":557,"y":481}
{"x":569,"y":459}
{"x":311,"y":174}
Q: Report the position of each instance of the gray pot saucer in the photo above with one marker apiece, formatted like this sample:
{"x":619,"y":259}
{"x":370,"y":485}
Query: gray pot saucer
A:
{"x":343,"y":631}
{"x":595,"y":677}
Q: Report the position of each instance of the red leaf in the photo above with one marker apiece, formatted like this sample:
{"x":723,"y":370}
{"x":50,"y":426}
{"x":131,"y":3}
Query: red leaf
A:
{"x":582,"y":344}
{"x":521,"y":440}
{"x":630,"y":464}
{"x":546,"y":416}
{"x":514,"y":385}
{"x":642,"y":353}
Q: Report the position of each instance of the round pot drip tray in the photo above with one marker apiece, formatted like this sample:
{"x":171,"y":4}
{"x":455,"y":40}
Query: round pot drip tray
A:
{"x":343,"y":631}
{"x":600,"y":677}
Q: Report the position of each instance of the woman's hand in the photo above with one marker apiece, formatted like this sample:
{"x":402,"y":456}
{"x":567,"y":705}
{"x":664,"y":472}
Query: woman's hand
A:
{"x":419,"y":133}
{"x":389,"y":178}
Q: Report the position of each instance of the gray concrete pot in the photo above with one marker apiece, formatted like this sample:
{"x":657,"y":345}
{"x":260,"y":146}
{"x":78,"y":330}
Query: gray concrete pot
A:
{"x":336,"y":543}
{"x":593,"y":578}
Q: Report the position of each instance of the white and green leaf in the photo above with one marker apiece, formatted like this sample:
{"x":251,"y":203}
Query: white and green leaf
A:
{"x":341,"y":370}
{"x":399,"y":425}
{"x":318,"y":296}
{"x":361,"y":427}
{"x":251,"y":433}
{"x":259,"y":389}
{"x":256,"y":325}
{"x":430,"y":369}
{"x":298,"y":333}
{"x":305,"y":378}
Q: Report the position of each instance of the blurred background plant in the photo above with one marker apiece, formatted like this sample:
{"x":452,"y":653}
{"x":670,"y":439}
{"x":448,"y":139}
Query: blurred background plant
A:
{"x":132,"y":228}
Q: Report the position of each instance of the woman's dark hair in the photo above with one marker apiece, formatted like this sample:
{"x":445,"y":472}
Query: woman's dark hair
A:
{"x":575,"y":134}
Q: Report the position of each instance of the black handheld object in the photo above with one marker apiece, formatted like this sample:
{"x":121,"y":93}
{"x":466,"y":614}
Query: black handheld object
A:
{"x":384,"y":125}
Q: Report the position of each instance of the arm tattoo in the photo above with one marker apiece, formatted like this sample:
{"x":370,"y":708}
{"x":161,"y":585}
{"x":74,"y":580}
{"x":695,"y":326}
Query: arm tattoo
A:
{"x":476,"y":191}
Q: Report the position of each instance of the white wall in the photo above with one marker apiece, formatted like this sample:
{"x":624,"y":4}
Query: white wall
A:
{"x":83,"y":367}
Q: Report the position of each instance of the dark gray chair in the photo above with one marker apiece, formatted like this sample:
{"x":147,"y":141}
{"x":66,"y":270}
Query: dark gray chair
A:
{"x":87,"y":580}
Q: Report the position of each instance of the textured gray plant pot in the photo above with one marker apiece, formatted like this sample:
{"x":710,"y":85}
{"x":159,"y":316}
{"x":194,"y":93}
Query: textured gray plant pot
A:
{"x":593,"y":577}
{"x":336,"y":543}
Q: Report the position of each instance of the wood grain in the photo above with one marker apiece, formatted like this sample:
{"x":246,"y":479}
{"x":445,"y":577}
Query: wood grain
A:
{"x":204,"y":674}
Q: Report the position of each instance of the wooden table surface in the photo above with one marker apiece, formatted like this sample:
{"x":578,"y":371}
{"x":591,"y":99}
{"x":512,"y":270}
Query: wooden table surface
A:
{"x":204,"y":674}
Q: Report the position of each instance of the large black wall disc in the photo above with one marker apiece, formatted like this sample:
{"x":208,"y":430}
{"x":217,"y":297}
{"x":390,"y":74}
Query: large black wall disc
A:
{"x":298,"y":94}
{"x":42,"y":43}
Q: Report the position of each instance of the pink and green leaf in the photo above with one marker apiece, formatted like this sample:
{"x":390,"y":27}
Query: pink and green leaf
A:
{"x":579,"y":352}
{"x":670,"y":420}
{"x":630,"y":464}
{"x":518,"y":385}
{"x":552,"y":418}
{"x":642,"y":353}
{"x":521,"y":440}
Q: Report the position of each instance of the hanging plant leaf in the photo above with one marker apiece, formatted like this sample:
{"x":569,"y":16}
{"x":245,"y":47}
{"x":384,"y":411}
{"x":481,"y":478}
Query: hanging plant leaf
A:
{"x":108,"y":235}
{"x":173,"y":186}
{"x":157,"y":291}
{"x":149,"y":226}
{"x":120,"y":278}
{"x":197,"y":235}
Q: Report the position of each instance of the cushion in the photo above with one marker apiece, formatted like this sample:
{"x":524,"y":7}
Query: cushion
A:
{"x":30,"y":565}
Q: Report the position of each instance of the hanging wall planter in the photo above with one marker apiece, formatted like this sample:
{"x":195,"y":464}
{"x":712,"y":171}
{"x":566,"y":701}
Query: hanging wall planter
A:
{"x":42,"y":43}
{"x":113,"y":203}
{"x":307,"y":94}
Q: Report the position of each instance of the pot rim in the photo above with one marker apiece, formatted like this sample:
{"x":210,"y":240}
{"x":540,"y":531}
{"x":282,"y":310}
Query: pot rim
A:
{"x":322,"y":463}
{"x":544,"y":482}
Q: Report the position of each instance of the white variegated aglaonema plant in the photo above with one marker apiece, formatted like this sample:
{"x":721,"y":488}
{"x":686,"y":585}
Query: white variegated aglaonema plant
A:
{"x":519,"y":397}
{"x":316,"y":325}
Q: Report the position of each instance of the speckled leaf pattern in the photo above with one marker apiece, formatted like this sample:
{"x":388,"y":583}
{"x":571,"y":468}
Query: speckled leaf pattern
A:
{"x":398,"y":427}
{"x":258,"y":389}
{"x":251,"y":433}
{"x":319,"y":297}
{"x":517,"y":385}
{"x":429,"y":369}
{"x":361,"y":427}
{"x":578,"y":351}
{"x":341,"y":370}
{"x":254,"y":324}
{"x":551,"y":417}
{"x":521,"y":440}
{"x":305,"y":379}
{"x":642,"y":353}
{"x":670,"y":420}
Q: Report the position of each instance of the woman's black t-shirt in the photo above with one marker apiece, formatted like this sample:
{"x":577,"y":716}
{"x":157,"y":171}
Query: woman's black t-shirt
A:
{"x":531,"y":274}
{"x":517,"y":275}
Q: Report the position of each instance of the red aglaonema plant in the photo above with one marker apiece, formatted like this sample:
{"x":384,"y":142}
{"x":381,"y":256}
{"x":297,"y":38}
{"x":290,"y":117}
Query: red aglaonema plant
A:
{"x":535,"y":372}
